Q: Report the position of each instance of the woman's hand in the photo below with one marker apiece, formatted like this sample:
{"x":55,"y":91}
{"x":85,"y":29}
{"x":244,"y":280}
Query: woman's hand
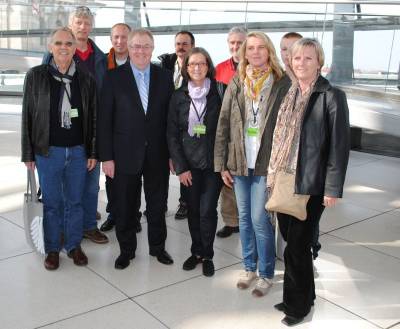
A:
{"x":91,"y":163}
{"x":227,"y":178}
{"x":30,"y":165}
{"x":109,"y":168}
{"x":186,"y":178}
{"x":329,"y":201}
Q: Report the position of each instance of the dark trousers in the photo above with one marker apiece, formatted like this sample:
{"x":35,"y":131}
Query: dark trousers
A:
{"x":125,"y":193}
{"x":202,"y":203}
{"x":183,"y":198}
{"x":298,"y":284}
{"x":137,"y":204}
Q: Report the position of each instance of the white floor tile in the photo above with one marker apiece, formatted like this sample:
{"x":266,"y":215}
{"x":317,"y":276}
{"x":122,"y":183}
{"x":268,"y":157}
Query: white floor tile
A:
{"x":123,"y":315}
{"x":217,"y":303}
{"x":360,"y":280}
{"x":15,"y":243}
{"x":361,"y":158}
{"x":381,"y":233}
{"x":14,"y":216}
{"x":344,"y":213}
{"x":145,"y":273}
{"x":32,"y":296}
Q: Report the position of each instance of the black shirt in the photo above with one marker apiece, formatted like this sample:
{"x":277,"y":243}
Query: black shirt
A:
{"x":60,"y":136}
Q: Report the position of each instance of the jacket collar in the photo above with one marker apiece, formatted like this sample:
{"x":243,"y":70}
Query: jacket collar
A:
{"x":321,"y":85}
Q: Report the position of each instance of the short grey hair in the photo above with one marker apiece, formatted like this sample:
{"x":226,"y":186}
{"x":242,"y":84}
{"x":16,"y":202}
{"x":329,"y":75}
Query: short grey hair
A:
{"x":140,"y":31}
{"x":81,"y":12}
{"x":237,"y":30}
{"x":61,"y":29}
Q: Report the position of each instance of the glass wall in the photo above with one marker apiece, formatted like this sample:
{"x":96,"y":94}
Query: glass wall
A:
{"x":361,"y":40}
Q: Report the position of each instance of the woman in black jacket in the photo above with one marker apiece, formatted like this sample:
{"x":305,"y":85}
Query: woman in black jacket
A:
{"x":312,"y":142}
{"x":192,"y":123}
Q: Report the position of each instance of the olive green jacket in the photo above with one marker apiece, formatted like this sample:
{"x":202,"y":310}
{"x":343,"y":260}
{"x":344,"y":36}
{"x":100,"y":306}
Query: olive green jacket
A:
{"x":229,"y":150}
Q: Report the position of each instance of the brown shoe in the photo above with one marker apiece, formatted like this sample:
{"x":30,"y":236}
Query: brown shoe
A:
{"x":98,"y":215}
{"x":52,"y":261}
{"x":95,"y":236}
{"x":78,"y":256}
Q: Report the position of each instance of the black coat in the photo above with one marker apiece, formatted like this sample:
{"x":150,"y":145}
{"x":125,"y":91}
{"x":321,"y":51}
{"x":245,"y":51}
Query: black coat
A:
{"x":192,"y":152}
{"x":125,"y":133}
{"x":35,"y":128}
{"x":324,"y":142}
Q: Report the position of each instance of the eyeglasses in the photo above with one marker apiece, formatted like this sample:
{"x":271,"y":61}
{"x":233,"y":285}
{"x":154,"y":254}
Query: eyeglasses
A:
{"x":60,"y":43}
{"x":137,"y":47}
{"x":200,"y":65}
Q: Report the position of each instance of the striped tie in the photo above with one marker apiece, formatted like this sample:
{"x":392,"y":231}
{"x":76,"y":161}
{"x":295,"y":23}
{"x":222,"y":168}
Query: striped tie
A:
{"x":143,"y":91}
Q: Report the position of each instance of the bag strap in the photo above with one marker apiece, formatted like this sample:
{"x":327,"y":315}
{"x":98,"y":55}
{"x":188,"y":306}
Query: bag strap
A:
{"x":31,"y":189}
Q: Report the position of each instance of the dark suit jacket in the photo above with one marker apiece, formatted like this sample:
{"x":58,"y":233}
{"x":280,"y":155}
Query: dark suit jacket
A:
{"x":125,"y":133}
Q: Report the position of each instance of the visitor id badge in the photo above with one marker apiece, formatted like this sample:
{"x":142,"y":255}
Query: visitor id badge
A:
{"x":73,"y":113}
{"x":199,"y":130}
{"x":252,"y":132}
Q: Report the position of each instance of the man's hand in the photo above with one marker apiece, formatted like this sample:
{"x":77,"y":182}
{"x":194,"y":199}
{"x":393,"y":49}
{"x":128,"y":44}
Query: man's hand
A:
{"x":186,"y":178}
{"x":30,"y":165}
{"x":227,"y":178}
{"x":91,"y":163}
{"x":109,"y":168}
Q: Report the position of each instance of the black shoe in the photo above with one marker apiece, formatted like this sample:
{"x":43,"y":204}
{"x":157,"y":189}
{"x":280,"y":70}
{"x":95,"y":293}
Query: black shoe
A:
{"x":123,"y":261}
{"x":163,"y":257}
{"x":108,"y":225}
{"x":291,"y":320}
{"x":280,"y":307}
{"x":182,"y":211}
{"x":191,"y":263}
{"x":208,"y":267}
{"x":227,"y":231}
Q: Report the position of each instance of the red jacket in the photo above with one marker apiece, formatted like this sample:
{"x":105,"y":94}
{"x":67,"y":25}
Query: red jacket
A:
{"x":225,"y":71}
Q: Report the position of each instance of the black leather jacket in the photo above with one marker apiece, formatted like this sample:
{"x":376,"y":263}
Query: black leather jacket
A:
{"x":185,"y":151}
{"x":36,"y":112}
{"x":167,"y":61}
{"x":324,"y":142}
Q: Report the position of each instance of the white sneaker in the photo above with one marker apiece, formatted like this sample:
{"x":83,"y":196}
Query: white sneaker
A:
{"x":245,"y":278}
{"x":262,"y":287}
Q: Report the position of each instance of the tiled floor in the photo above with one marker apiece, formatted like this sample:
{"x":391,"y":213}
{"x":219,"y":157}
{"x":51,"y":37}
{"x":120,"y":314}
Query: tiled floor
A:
{"x":357,"y":278}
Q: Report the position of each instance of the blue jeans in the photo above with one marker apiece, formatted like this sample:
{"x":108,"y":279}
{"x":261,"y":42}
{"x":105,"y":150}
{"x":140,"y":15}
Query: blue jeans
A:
{"x":90,"y":198}
{"x":62,"y":177}
{"x":256,"y":233}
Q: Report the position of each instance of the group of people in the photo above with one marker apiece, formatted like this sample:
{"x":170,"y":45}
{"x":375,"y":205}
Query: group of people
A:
{"x":225,"y":131}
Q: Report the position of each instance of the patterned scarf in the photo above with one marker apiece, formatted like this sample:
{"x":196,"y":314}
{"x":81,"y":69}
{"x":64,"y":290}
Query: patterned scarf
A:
{"x":285,"y":144}
{"x":64,"y":106}
{"x":198,"y":97}
{"x":254,"y":81}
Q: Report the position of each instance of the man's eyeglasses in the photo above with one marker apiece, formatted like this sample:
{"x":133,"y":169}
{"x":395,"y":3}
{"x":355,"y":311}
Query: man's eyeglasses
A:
{"x":60,"y":43}
{"x":137,"y":47}
{"x":200,"y":65}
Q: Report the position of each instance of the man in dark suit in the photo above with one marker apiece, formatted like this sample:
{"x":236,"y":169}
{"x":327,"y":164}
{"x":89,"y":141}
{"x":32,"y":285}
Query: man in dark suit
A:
{"x":132,"y":143}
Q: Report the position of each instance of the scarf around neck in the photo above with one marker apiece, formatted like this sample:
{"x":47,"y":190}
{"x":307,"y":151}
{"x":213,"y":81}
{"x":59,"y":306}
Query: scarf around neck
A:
{"x":254,"y":81}
{"x":286,"y":137}
{"x":198,"y":104}
{"x":64,"y":105}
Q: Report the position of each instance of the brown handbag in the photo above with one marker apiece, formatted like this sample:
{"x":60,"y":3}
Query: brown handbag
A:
{"x":284,"y":200}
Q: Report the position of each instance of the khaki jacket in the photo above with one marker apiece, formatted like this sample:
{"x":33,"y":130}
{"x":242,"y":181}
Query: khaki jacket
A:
{"x":229,"y":150}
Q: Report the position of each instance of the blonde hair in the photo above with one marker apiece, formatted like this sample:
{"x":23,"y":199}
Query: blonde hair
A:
{"x":308,"y":42}
{"x":272,"y":62}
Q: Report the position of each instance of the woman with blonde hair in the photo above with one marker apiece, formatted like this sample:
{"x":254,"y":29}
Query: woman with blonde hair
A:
{"x":242,"y":151}
{"x":311,"y":141}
